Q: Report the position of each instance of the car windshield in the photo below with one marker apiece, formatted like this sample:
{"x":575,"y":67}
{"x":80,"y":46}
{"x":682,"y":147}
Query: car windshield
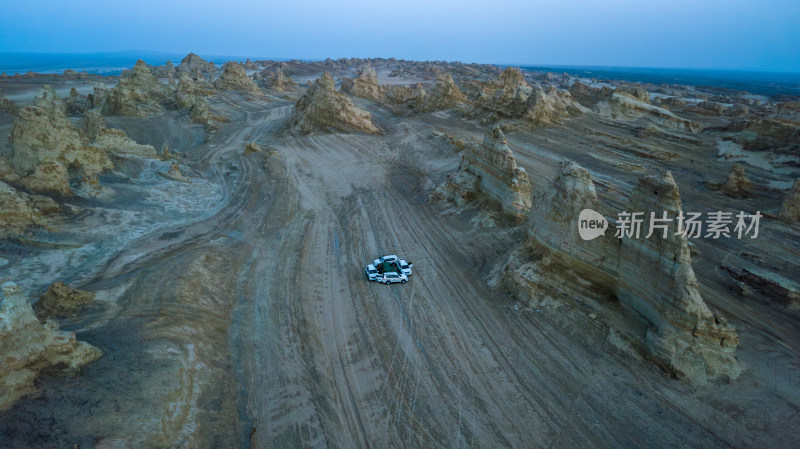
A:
{"x":373,"y":271}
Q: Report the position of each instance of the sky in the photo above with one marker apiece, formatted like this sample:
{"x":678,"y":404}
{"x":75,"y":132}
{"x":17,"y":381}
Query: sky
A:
{"x":761,"y":35}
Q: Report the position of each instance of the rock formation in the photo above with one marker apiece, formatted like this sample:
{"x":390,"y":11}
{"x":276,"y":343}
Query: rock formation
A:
{"x":543,"y":108}
{"x":276,"y":80}
{"x":624,"y":106}
{"x":589,"y":96}
{"x":511,"y":98}
{"x":737,"y":185}
{"x":28,"y":347}
{"x":490,"y":172}
{"x":50,"y":176}
{"x":651,"y":276}
{"x":61,"y":301}
{"x":76,"y":104}
{"x":657,"y":280}
{"x":138,"y":93}
{"x":41,"y":131}
{"x":445,"y":95}
{"x":191,"y":95}
{"x":194,"y":65}
{"x":115,"y":141}
{"x":365,"y":85}
{"x":768,"y":134}
{"x":7,"y":106}
{"x":321,"y":108}
{"x":790,"y":209}
{"x":18,"y":210}
{"x":411,"y":98}
{"x":234,"y":77}
{"x":634,"y":90}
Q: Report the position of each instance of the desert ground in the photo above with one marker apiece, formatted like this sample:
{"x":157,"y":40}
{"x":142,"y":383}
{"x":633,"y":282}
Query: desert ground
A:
{"x":229,"y":300}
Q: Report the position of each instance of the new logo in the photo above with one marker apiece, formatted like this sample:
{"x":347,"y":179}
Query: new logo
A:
{"x":591,"y":224}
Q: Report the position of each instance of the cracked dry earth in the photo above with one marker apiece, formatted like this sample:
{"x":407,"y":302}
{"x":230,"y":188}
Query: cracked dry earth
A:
{"x":248,"y":321}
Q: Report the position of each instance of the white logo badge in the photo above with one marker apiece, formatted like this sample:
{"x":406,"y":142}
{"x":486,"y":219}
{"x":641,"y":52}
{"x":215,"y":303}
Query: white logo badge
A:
{"x":591,"y":224}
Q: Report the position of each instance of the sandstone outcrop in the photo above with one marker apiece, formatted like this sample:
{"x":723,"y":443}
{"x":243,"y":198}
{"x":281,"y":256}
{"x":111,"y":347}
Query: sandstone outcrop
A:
{"x":512,"y":98}
{"x":321,"y":108}
{"x":624,"y":106}
{"x":41,"y":131}
{"x":489,"y":172}
{"x":790,"y":208}
{"x":233,"y":77}
{"x":28,"y":347}
{"x":115,"y":141}
{"x":138,"y":93}
{"x":18,"y":210}
{"x":651,"y":276}
{"x":445,"y":95}
{"x":636,"y":91}
{"x":50,"y":176}
{"x":76,"y":104}
{"x":768,"y":134}
{"x":7,"y":106}
{"x":737,"y":185}
{"x":276,"y":80}
{"x":411,"y":98}
{"x":365,"y":85}
{"x":61,"y":301}
{"x":657,"y":280}
{"x":191,"y":95}
{"x":589,"y":96}
{"x":194,"y":65}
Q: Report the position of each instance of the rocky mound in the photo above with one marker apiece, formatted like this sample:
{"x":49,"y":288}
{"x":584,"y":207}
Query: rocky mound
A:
{"x":512,"y":98}
{"x":790,"y":209}
{"x":635,"y":91}
{"x":18,"y":210}
{"x":737,"y":185}
{"x":41,"y":131}
{"x":445,"y":95}
{"x":589,"y":96}
{"x":321,"y":108}
{"x":365,"y":85}
{"x":767,"y":134}
{"x":191,"y":95}
{"x":193,"y":65}
{"x":544,"y":108}
{"x":624,"y":106}
{"x":7,"y":106}
{"x":61,"y":301}
{"x":276,"y":80}
{"x":489,"y":172}
{"x":652,"y":277}
{"x":138,"y":93}
{"x":28,"y":347}
{"x":411,"y":98}
{"x":234,"y":77}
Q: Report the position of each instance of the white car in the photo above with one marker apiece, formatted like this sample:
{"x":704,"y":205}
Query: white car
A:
{"x":389,"y":258}
{"x":372,"y":273}
{"x":392,"y":278}
{"x":405,"y":267}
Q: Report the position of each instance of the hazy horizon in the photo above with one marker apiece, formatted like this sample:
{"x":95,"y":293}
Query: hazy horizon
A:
{"x":714,"y":35}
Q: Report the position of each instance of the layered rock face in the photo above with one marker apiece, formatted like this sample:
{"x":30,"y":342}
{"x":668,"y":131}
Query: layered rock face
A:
{"x":18,"y":210}
{"x":657,"y":280}
{"x":365,"y":85}
{"x":28,"y":347}
{"x":192,"y":96}
{"x":7,"y":106}
{"x":489,"y":171}
{"x":625,"y":106}
{"x":60,"y":301}
{"x":138,"y":93}
{"x":768,"y":134}
{"x":445,"y":95}
{"x":234,"y":77}
{"x":321,"y":108}
{"x":651,"y":277}
{"x":589,"y":96}
{"x":543,"y":108}
{"x":790,"y":209}
{"x":41,"y":131}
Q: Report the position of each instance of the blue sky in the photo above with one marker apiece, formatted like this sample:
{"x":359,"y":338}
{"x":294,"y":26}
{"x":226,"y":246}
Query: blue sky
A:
{"x":727,"y":34}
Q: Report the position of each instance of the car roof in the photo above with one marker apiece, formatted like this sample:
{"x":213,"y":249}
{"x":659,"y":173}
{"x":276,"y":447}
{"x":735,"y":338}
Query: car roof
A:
{"x":370,"y":267}
{"x":390,"y":256}
{"x":391,"y":272}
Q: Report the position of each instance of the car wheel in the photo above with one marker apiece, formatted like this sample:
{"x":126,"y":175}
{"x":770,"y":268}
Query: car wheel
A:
{"x":402,"y":282}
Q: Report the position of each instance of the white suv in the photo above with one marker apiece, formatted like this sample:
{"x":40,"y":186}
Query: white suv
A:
{"x":389,"y":258}
{"x":372,"y":273}
{"x":405,"y":267}
{"x":392,"y":278}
